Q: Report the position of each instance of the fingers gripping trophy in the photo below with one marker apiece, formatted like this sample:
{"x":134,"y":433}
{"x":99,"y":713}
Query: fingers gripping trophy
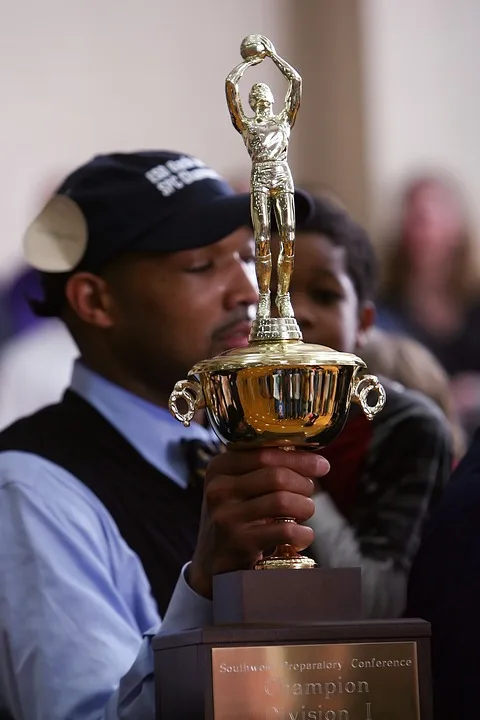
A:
{"x":278,"y":391}
{"x":266,"y":137}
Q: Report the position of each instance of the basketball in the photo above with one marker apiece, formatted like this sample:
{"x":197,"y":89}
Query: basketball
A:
{"x":252,"y":46}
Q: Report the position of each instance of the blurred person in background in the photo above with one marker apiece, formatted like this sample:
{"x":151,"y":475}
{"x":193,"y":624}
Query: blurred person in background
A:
{"x":431,"y":286}
{"x":22,"y":287}
{"x":444,"y":589}
{"x":36,"y":354}
{"x":407,"y":362}
{"x":386,"y":475}
{"x":36,"y":359}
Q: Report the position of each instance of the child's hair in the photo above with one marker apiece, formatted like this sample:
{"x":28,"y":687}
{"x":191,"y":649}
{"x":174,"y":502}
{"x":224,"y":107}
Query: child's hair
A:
{"x":408,"y":362}
{"x":334,"y":223}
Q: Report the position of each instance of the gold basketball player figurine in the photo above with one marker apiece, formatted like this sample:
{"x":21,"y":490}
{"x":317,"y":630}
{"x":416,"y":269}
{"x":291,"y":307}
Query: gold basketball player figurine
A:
{"x":266,"y":137}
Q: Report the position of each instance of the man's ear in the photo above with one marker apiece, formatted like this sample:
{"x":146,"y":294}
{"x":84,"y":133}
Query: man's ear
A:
{"x":89,"y":297}
{"x":367,"y":320}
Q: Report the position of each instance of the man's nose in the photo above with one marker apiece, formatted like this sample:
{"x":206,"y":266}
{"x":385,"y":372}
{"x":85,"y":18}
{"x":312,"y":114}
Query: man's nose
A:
{"x":242,"y":288}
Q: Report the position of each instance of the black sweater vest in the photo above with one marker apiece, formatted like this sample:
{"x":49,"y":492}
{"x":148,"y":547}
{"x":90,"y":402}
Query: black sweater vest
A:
{"x":157,"y":519}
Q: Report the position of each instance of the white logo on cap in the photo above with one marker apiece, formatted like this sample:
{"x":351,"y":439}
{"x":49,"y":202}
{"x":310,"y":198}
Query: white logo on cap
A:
{"x":176,"y":174}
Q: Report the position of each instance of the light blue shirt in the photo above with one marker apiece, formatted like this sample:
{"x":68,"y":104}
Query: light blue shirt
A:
{"x":76,"y":612}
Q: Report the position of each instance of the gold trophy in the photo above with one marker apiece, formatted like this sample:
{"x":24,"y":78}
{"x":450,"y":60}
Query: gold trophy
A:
{"x":283,"y":644}
{"x":278,"y":391}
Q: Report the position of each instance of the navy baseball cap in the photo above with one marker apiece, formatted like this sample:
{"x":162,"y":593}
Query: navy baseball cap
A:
{"x":155,"y":201}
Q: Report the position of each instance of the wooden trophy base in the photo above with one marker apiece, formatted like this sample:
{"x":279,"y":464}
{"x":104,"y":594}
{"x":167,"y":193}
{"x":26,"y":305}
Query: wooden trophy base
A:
{"x":291,"y":597}
{"x":280,"y":650}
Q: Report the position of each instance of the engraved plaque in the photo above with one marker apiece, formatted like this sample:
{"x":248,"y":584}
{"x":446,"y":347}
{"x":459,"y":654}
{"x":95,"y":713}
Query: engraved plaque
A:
{"x":344,"y":681}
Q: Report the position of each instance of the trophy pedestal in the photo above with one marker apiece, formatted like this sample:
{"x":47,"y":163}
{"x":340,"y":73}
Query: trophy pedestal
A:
{"x":277,"y":653}
{"x":287,"y":597}
{"x":331,"y":671}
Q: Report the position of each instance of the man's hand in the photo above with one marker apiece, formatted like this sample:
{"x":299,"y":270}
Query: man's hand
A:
{"x":244,"y":492}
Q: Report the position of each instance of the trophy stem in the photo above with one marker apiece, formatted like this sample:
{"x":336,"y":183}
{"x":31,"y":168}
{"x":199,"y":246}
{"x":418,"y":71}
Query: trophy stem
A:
{"x":285,"y":557}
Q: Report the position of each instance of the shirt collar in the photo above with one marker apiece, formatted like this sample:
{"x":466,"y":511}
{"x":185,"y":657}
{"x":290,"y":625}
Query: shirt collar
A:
{"x":152,"y":430}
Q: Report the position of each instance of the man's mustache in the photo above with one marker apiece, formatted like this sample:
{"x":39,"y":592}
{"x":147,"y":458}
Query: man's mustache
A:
{"x":238,"y":317}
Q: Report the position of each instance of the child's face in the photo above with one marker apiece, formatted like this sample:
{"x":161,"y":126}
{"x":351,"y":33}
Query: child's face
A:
{"x":324,"y":298}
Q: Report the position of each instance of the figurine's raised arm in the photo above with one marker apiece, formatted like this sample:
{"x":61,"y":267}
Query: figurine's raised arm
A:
{"x":294,"y":92}
{"x":233,"y":94}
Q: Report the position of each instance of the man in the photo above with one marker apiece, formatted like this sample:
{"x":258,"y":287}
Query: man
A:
{"x":266,"y":136}
{"x":386,"y":475}
{"x":444,"y":589}
{"x":147,"y":259}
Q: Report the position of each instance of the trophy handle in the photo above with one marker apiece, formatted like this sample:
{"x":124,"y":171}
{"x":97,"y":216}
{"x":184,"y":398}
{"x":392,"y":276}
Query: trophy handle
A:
{"x":362,"y":388}
{"x":191,"y":392}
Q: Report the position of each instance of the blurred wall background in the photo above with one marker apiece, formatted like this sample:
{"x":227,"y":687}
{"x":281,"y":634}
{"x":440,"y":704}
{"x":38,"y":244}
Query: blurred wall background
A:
{"x":389,"y":87}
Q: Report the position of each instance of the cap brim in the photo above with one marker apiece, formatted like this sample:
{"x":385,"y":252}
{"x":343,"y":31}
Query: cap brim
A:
{"x":210,"y":223}
{"x":57,"y":239}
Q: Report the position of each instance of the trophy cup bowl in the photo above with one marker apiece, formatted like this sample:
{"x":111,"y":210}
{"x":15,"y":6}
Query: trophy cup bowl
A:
{"x":281,"y":394}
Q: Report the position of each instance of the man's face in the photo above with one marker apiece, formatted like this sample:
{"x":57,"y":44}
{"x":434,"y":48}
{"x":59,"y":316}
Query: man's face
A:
{"x":323,"y":295}
{"x":171,"y":311}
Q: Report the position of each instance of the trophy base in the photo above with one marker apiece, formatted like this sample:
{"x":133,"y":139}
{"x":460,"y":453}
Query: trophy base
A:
{"x":271,"y":329}
{"x":284,"y":597}
{"x":348,"y":670}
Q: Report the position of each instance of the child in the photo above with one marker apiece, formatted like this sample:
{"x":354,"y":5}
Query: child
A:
{"x":385,"y":474}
